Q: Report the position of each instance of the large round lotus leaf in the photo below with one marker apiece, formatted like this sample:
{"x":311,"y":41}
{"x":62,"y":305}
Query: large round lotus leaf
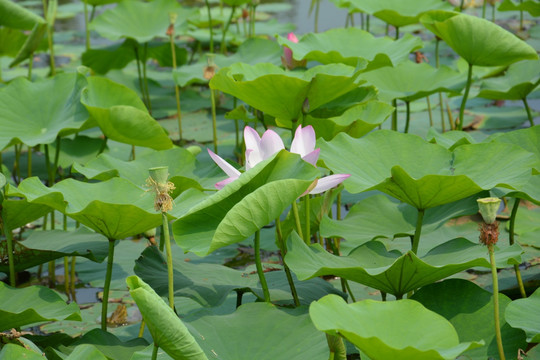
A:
{"x":16,"y":212}
{"x":381,"y":217}
{"x":2,"y":181}
{"x":264,"y":331}
{"x":29,"y":117}
{"x":114,"y":208}
{"x":422,"y":174}
{"x":244,"y":206}
{"x":139,"y":20}
{"x":12,"y":351}
{"x":530,"y":6}
{"x":520,"y":80}
{"x":15,"y":16}
{"x":470,"y":310}
{"x":399,"y":12}
{"x":409,"y":81}
{"x":524,"y":314}
{"x":121,"y":114}
{"x":479,"y":41}
{"x":282,"y":93}
{"x":45,"y":246}
{"x":31,"y":305}
{"x":86,"y":352}
{"x":377,"y":328}
{"x":392,"y":272}
{"x":252,"y":51}
{"x":108,"y":344}
{"x":167,"y":330}
{"x":350,"y":46}
{"x":528,"y":139}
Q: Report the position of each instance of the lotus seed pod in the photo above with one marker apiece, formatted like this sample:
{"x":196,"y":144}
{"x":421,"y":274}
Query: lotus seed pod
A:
{"x":488,"y":208}
{"x":159,"y":174}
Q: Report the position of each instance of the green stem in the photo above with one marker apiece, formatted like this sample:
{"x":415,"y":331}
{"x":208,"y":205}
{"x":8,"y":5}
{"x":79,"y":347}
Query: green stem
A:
{"x":429,"y":111}
{"x":50,"y":41}
{"x":93,"y":13}
{"x":297,"y":220}
{"x":528,"y":109}
{"x":66,"y":276}
{"x":145,"y":77}
{"x":308,"y":220}
{"x":161,"y":238}
{"x":139,"y":73}
{"x":394,"y":115}
{"x":317,"y":8}
{"x":176,"y":88}
{"x":520,"y":16}
{"x":154,"y":352}
{"x":86,"y":29}
{"x":210,"y":26}
{"x":30,"y":66}
{"x":408,"y":118}
{"x":418,"y":231}
{"x":511,"y":239}
{"x":349,"y":290}
{"x":465,"y":96}
{"x":397,"y":32}
{"x":108,"y":277}
{"x":214,"y":122}
{"x":441,"y":105}
{"x":169,"y":259}
{"x":141,"y":329}
{"x":484,"y":9}
{"x":17,"y":162}
{"x":72,"y":280}
{"x":496,"y":302}
{"x":283,"y":249}
{"x":258,"y":265}
{"x":493,"y":12}
{"x":461,"y":5}
{"x":9,"y":239}
{"x":223,"y":41}
{"x":29,"y":158}
{"x":367,"y":22}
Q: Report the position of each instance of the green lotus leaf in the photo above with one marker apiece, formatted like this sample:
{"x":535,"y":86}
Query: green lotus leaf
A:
{"x":101,"y":2}
{"x":381,"y":217}
{"x":530,"y":6}
{"x":31,"y":305}
{"x":530,"y":191}
{"x":252,"y":51}
{"x":470,"y":310}
{"x":474,"y":38}
{"x":167,"y":330}
{"x":121,"y":114}
{"x":140,"y":20}
{"x":45,"y":246}
{"x":399,"y":12}
{"x":375,"y":327}
{"x":15,"y":16}
{"x":108,"y":344}
{"x":260,"y":326}
{"x":86,"y":352}
{"x":528,"y":139}
{"x":79,"y":149}
{"x":2,"y":181}
{"x":12,"y":351}
{"x":520,"y":80}
{"x":250,"y":202}
{"x":352,"y":46}
{"x":31,"y":45}
{"x":522,"y":314}
{"x":117,"y":56}
{"x":16,"y":213}
{"x":115,"y":208}
{"x":421,"y":174}
{"x":392,"y":272}
{"x":282,"y":93}
{"x":449,"y":139}
{"x":356,"y":121}
{"x":409,"y":81}
{"x":11,"y":40}
{"x":31,"y":118}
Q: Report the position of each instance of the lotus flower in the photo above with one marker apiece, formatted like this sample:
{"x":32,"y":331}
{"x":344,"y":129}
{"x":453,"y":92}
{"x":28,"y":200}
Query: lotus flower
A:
{"x":261,"y":148}
{"x":287,"y":58}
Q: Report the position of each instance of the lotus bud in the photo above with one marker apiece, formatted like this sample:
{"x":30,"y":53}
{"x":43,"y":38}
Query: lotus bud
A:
{"x":488,"y":208}
{"x":172,"y":21}
{"x":305,"y":106}
{"x":157,"y":182}
{"x":287,"y":58}
{"x":209,"y":70}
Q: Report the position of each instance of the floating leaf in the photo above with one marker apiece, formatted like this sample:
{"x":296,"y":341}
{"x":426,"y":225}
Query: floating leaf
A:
{"x":376,"y":328}
{"x":392,"y":272}
{"x":31,"y":305}
{"x":352,"y":46}
{"x":524,"y":313}
{"x":470,"y":310}
{"x":520,"y":80}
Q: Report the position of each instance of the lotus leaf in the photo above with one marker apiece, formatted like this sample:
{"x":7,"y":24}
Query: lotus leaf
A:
{"x":244,"y":206}
{"x":80,"y":149}
{"x":528,"y":139}
{"x":392,"y":272}
{"x":86,"y":352}
{"x":17,"y":213}
{"x":421,"y":174}
{"x":260,"y":326}
{"x":450,"y":139}
{"x":15,"y":16}
{"x":352,"y":46}
{"x":523,"y":314}
{"x":520,"y":80}
{"x":376,"y":328}
{"x":121,"y":114}
{"x":530,"y":6}
{"x":31,"y":305}
{"x":281,"y":93}
{"x":12,"y":351}
{"x":252,"y":51}
{"x":31,"y":118}
{"x":166,"y":328}
{"x":115,"y":208}
{"x":472,"y":38}
{"x":470,"y":310}
{"x":140,"y":20}
{"x":108,"y":344}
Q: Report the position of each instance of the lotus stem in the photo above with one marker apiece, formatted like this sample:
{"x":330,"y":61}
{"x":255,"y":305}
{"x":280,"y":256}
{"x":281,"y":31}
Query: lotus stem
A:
{"x":387,"y":29}
{"x":214,"y":122}
{"x":367,"y":22}
{"x":93,"y":12}
{"x":169,"y":259}
{"x":362,"y":21}
{"x":465,"y":96}
{"x":52,"y":274}
{"x":352,"y":19}
{"x":512,"y":240}
{"x":394,"y":115}
{"x":429,"y":111}
{"x":347,"y":20}
{"x":66,"y":276}
{"x":418,"y":231}
{"x":408,"y":117}
{"x":258,"y":265}
{"x":441,"y":105}
{"x":144,"y":60}
{"x":132,"y":152}
{"x":297,"y":220}
{"x":141,"y":329}
{"x":338,"y":350}
{"x":484,"y":9}
{"x":317,"y":8}
{"x":210,"y":26}
{"x":73,"y":279}
{"x":461,"y":5}
{"x":176,"y":87}
{"x":521,"y":16}
{"x":50,"y":40}
{"x":30,"y":66}
{"x":11,"y":260}
{"x":223,"y":41}
{"x":86,"y":29}
{"x":528,"y":109}
{"x":252,"y":20}
{"x":493,"y":12}
{"x":283,"y":249}
{"x":29,"y":163}
{"x":349,"y":291}
{"x":496,"y":302}
{"x":107,"y":286}
{"x":103,"y":145}
{"x":139,"y":73}
{"x":161,"y":238}
{"x":17,"y":163}
{"x":154,"y":352}
{"x":383,"y":296}
{"x":397,"y":32}
{"x":308,"y":220}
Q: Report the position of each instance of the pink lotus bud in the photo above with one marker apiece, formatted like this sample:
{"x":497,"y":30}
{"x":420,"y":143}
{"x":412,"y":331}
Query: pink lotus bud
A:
{"x":287,"y":58}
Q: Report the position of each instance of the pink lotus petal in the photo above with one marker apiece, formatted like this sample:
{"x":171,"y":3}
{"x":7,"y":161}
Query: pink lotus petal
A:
{"x":304,"y":140}
{"x":252,"y":138}
{"x":225,"y":166}
{"x":292,"y":37}
{"x":328,"y":182}
{"x":312,"y":157}
{"x":271,"y":143}
{"x":221,"y":184}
